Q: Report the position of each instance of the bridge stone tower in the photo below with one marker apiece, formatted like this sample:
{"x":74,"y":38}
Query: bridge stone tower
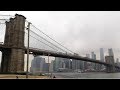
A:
{"x":13,"y":58}
{"x":110,"y":60}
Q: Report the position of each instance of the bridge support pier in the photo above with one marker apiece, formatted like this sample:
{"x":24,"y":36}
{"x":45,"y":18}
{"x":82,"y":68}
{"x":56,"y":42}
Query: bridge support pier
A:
{"x":16,"y":61}
{"x":12,"y":61}
{"x":110,"y":60}
{"x":13,"y":58}
{"x":110,"y":69}
{"x":5,"y":61}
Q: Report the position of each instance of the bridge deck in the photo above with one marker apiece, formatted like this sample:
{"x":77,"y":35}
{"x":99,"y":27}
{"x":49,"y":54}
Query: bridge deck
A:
{"x":36,"y":51}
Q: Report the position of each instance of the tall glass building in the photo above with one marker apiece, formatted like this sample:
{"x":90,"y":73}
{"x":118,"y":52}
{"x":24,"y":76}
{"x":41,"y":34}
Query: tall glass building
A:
{"x":101,"y":54}
{"x":110,"y":52}
{"x":37,"y":64}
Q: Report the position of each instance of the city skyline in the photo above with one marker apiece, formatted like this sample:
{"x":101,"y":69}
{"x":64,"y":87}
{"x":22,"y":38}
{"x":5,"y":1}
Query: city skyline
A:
{"x":64,"y":64}
{"x":87,"y":49}
{"x":82,"y":32}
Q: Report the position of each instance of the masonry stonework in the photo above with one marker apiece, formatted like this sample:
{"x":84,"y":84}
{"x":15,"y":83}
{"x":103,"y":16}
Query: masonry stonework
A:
{"x":13,"y":58}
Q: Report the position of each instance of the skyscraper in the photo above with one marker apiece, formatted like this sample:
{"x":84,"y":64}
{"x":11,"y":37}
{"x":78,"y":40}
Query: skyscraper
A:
{"x":117,"y":62}
{"x":101,"y":54}
{"x":37,"y":64}
{"x":110,"y":52}
{"x":93,"y":56}
{"x":88,"y":55}
{"x":67,"y":63}
{"x":51,"y":66}
{"x":46,"y":67}
{"x":87,"y":64}
{"x":59,"y":63}
{"x":74,"y":64}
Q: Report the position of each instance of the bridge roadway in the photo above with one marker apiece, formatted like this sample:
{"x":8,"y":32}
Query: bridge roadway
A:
{"x":36,"y":51}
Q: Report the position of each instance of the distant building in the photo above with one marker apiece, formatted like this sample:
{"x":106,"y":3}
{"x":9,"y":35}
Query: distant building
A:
{"x":77,"y":64}
{"x":87,"y":65}
{"x":63,"y":64}
{"x":67,"y":63}
{"x":74,"y":64}
{"x":70,"y":64}
{"x":110,"y":52}
{"x":117,"y":62}
{"x":101,"y":59}
{"x":51,"y":66}
{"x":110,"y":60}
{"x":101,"y":54}
{"x":88,"y":55}
{"x":46,"y":67}
{"x":82,"y":65}
{"x":59,"y":63}
{"x":93,"y":56}
{"x":54,"y":67}
{"x":37,"y":65}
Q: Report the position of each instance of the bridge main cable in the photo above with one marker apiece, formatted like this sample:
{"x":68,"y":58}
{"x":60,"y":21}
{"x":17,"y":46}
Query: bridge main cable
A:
{"x":42,"y":42}
{"x":52,"y":39}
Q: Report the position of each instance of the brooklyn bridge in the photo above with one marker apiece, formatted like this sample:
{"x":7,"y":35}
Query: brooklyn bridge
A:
{"x":18,"y":30}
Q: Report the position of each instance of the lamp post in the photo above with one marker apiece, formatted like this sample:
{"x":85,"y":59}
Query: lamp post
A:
{"x":28,"y":28}
{"x":48,"y":65}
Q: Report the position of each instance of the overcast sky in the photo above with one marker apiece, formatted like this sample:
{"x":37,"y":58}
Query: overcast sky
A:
{"x":80,"y":31}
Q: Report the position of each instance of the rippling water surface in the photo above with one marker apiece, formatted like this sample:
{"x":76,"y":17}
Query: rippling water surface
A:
{"x":87,"y":75}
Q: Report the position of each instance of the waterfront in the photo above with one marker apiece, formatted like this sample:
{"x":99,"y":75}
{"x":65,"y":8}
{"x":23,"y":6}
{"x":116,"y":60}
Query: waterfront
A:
{"x":87,"y":75}
{"x":13,"y":76}
{"x":67,"y":75}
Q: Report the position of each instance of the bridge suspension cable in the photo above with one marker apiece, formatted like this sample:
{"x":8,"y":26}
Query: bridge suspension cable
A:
{"x":2,"y":31}
{"x":47,"y":40}
{"x":6,"y":15}
{"x":42,"y":42}
{"x":52,"y":39}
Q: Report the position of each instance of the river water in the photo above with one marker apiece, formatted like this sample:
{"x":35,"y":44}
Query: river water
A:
{"x":87,"y":75}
